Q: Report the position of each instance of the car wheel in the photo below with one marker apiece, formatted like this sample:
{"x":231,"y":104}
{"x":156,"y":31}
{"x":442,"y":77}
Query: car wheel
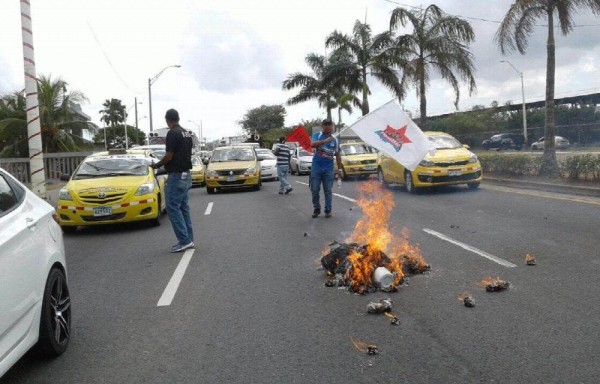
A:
{"x":381,"y":178}
{"x":257,"y":186}
{"x":344,"y":174}
{"x":210,"y":190}
{"x":473,"y":186}
{"x":409,"y":182}
{"x":68,"y":229}
{"x":55,"y":322}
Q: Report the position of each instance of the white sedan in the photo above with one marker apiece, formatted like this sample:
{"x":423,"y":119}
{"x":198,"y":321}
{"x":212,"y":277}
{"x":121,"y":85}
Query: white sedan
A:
{"x":559,"y":142}
{"x":301,"y":161}
{"x":35,"y":306}
{"x":268,"y":164}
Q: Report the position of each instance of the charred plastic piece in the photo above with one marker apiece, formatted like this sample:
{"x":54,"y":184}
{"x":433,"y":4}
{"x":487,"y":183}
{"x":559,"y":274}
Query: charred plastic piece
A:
{"x":384,"y":305}
{"x":530,"y":260}
{"x":335,"y":260}
{"x":372,"y":350}
{"x":469,"y":302}
{"x":497,"y":285}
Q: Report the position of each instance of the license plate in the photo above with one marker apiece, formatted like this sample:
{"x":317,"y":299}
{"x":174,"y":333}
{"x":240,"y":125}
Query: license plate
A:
{"x":103,"y":211}
{"x":231,"y":178}
{"x":370,"y":168}
{"x":454,"y":172}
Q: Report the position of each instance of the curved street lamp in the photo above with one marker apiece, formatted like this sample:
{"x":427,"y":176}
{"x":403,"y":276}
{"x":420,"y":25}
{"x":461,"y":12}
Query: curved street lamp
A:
{"x":152,"y":81}
{"x":523,"y":94}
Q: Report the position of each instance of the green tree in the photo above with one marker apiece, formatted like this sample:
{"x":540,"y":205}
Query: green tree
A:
{"x":263,"y":118}
{"x":361,"y":55}
{"x":313,"y":86}
{"x":438,"y":43}
{"x":61,"y":126}
{"x":513,"y":33}
{"x":115,"y":136}
{"x":113,"y":112}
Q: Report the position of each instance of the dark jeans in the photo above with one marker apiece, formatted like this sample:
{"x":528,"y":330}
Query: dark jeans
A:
{"x":177,"y":206}
{"x":320,"y":176}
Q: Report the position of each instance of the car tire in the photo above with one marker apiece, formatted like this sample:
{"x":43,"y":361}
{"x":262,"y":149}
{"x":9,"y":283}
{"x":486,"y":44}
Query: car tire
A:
{"x":344,"y":174}
{"x":257,"y":186}
{"x":381,"y":178}
{"x":473,"y":186}
{"x":210,"y":190}
{"x":409,"y":183}
{"x":55,"y":321}
{"x":68,"y":229}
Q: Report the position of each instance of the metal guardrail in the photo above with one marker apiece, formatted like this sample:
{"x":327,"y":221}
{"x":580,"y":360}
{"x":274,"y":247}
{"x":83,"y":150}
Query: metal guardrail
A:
{"x":55,"y":164}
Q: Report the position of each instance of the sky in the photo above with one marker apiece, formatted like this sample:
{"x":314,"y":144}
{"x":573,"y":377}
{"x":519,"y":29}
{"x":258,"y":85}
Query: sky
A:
{"x":234,"y":55}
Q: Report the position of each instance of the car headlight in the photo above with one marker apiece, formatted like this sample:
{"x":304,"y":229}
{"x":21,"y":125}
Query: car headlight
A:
{"x":212,"y":173}
{"x":351,"y":162}
{"x":145,"y":189}
{"x":64,"y":195}
{"x":473,"y":158}
{"x":426,"y":163}
{"x":250,"y":171}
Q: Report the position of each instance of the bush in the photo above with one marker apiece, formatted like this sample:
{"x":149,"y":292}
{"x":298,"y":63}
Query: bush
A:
{"x":586,"y":166}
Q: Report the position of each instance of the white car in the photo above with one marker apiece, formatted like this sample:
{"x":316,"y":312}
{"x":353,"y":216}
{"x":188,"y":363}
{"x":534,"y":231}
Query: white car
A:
{"x":301,"y":161}
{"x":268,"y":164}
{"x":35,"y":306}
{"x":158,"y":150}
{"x":559,"y":142}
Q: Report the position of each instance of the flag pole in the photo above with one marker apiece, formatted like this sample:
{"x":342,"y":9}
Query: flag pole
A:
{"x":357,"y":121}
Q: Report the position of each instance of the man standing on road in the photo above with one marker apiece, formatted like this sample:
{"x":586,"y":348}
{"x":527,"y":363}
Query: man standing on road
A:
{"x":322,"y":172}
{"x":282,"y":151}
{"x":178,"y":162}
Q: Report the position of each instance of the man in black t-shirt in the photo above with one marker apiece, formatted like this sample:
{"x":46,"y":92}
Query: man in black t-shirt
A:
{"x":178,"y":162}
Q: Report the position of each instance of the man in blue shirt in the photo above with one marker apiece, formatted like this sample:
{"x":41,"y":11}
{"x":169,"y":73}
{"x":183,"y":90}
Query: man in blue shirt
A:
{"x":326,"y":148}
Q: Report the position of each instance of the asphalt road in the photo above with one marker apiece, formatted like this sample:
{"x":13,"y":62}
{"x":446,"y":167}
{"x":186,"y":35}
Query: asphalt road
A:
{"x":251,"y":306}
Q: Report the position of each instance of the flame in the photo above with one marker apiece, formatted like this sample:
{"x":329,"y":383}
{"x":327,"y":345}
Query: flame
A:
{"x":361,"y":346}
{"x":382,"y":249}
{"x":529,"y":258}
{"x":464,"y":296}
{"x":389,"y":315}
{"x":489,"y":281}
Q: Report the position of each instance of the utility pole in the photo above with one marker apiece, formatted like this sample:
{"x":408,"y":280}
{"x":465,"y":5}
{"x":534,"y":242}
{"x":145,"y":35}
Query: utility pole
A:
{"x":36,"y":155}
{"x":150,"y":82}
{"x":523,"y":95}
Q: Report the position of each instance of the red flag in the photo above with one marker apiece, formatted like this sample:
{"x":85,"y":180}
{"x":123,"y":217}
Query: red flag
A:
{"x":301,"y":137}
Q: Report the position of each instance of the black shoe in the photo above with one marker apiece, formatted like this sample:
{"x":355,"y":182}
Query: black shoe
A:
{"x":288,"y":190}
{"x":316,"y":213}
{"x":327,"y":213}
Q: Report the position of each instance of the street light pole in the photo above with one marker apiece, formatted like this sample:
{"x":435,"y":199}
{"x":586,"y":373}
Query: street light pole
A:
{"x":152,"y":81}
{"x":200,"y":127}
{"x":523,"y":95}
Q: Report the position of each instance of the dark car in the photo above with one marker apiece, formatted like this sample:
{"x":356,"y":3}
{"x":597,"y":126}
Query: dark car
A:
{"x":504,"y":141}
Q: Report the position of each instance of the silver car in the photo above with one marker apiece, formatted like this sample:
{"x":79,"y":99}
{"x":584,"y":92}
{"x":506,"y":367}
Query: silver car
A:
{"x":268,"y":164}
{"x":559,"y":142}
{"x":301,"y":161}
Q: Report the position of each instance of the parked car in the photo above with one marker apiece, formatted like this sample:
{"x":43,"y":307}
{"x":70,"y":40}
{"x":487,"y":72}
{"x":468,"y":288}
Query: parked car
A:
{"x":559,"y":143}
{"x":452,"y":163}
{"x":268,"y":164}
{"x":358,"y":159}
{"x":197,"y":172}
{"x":233,"y":167}
{"x":301,"y":161}
{"x":35,"y":306}
{"x":112,"y":187}
{"x":504,"y":141}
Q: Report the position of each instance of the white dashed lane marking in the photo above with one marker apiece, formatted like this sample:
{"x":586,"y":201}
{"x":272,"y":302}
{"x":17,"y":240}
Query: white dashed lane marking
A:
{"x":470,"y":248}
{"x":208,"y":208}
{"x":171,"y":289}
{"x":334,"y":194}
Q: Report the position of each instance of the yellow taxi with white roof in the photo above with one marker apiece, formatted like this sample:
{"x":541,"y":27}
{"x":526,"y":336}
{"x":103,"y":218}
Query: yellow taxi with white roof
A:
{"x":112,"y":187}
{"x":233,"y":167}
{"x":358,"y":159}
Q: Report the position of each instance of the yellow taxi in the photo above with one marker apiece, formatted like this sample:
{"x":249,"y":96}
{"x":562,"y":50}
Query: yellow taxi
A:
{"x":197,"y":172}
{"x":112,"y":187}
{"x":358,"y":159}
{"x":452,"y":163}
{"x":232,"y":167}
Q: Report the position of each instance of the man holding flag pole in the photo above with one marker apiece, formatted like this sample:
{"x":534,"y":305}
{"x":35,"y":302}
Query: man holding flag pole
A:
{"x":326,"y":148}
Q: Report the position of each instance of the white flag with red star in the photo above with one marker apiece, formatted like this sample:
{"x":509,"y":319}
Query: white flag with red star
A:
{"x":392,"y":132}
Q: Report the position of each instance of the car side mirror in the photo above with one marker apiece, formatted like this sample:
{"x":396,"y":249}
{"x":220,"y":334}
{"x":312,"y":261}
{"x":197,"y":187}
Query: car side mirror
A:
{"x":65,"y":177}
{"x":466,"y":146}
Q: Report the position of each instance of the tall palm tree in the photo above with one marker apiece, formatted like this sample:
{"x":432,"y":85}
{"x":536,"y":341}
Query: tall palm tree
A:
{"x":363,"y":54}
{"x":438,"y":43}
{"x":61,"y":125}
{"x":513,"y":33}
{"x":344,"y":102}
{"x":113,"y":112}
{"x":314,"y":86}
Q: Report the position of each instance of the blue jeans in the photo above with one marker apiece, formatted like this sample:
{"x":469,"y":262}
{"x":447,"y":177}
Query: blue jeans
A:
{"x":325,"y":176}
{"x":282,"y":172}
{"x":177,"y":206}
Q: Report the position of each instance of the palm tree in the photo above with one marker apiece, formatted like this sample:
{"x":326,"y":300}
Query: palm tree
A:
{"x":113,"y":112}
{"x":345,"y":102}
{"x":438,"y":43}
{"x":61,"y":125}
{"x":513,"y":33}
{"x":363,"y":54}
{"x":314,"y":86}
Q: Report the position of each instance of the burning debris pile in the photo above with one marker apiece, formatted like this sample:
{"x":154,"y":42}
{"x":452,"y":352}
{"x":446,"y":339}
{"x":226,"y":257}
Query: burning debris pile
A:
{"x":370,"y":349}
{"x":372,"y":258}
{"x":494,"y":284}
{"x":467,"y":300}
{"x":530,"y":260}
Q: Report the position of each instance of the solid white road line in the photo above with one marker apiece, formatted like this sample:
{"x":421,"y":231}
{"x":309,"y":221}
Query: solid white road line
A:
{"x":209,"y":208}
{"x":547,"y":195}
{"x":171,"y":289}
{"x":488,"y":256}
{"x":335,"y":194}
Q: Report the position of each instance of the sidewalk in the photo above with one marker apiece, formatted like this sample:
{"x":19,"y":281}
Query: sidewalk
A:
{"x":559,"y":185}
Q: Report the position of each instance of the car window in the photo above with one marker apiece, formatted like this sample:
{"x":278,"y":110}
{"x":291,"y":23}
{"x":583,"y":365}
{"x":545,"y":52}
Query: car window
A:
{"x":111,"y":167}
{"x":354,"y":149}
{"x":240,"y":154}
{"x":496,"y":138}
{"x":8,"y":198}
{"x":196,"y":161}
{"x":445,"y":142}
{"x":266,"y":154}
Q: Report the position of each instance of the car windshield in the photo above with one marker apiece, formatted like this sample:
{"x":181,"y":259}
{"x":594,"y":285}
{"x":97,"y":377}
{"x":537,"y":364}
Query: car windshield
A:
{"x":354,"y":149}
{"x":304,"y":153}
{"x":111,"y":167}
{"x":159,"y":153}
{"x":196,"y":161}
{"x":266,"y":154}
{"x":239,"y":154}
{"x":444,"y":142}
